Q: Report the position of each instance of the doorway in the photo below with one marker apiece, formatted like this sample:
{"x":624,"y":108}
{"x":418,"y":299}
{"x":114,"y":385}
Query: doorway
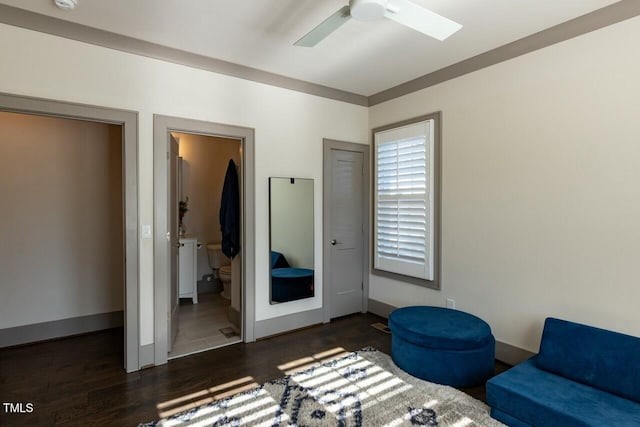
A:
{"x":205,"y":295}
{"x":121,"y":126}
{"x":173,"y":179}
{"x":345,"y":228}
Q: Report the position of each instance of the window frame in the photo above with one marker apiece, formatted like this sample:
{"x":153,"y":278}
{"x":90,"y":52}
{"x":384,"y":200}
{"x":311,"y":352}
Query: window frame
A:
{"x":437,"y":207}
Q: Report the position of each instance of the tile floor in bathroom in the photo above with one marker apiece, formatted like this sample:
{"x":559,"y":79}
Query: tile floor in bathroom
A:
{"x":200,"y":325}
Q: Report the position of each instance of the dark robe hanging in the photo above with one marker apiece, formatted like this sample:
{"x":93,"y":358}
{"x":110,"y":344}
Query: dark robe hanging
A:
{"x":230,"y":212}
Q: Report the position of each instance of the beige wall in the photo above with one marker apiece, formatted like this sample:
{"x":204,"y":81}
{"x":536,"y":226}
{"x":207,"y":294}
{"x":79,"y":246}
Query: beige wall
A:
{"x":291,"y":219}
{"x":289,"y":127}
{"x":204,"y":166}
{"x":61,"y":223}
{"x":540,"y":194}
{"x":541,"y":187}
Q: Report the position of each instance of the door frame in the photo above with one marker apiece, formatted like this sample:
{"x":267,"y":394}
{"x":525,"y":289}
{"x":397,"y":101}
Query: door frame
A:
{"x":129,"y":122}
{"x":162,"y":126}
{"x":173,"y":214}
{"x":327,"y":146}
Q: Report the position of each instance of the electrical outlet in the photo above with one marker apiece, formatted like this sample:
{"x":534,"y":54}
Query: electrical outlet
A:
{"x":146,"y":231}
{"x":451,"y":303}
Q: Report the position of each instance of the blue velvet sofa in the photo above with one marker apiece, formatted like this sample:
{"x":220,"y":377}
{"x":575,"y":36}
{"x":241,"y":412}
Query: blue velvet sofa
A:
{"x":289,"y":283}
{"x":582,"y":376}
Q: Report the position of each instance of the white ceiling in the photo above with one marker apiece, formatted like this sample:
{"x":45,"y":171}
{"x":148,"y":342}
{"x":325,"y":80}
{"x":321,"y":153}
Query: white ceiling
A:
{"x":364,"y":58}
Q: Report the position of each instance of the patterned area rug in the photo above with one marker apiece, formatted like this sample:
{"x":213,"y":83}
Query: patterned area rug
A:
{"x":363,"y":388}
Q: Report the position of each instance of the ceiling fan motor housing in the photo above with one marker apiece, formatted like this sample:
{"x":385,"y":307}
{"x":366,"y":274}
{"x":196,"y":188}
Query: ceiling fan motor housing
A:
{"x":367,"y":10}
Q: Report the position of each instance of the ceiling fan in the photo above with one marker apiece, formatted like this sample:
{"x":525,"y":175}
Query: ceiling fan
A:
{"x":403,"y":12}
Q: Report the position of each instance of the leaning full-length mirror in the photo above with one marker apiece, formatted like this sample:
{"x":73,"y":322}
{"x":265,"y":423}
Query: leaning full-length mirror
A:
{"x":291,"y":239}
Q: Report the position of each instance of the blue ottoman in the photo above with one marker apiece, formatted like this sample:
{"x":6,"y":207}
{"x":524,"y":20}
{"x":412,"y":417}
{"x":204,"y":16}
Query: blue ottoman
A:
{"x":441,"y":345}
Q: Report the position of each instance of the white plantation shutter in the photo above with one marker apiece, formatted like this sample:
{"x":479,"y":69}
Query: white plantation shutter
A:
{"x":404,"y":200}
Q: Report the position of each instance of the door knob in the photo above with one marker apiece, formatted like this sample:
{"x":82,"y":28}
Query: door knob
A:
{"x":177,"y":245}
{"x":333,"y":242}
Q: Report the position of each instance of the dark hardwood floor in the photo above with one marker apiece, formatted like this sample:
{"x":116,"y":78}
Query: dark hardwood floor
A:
{"x":80,"y":380}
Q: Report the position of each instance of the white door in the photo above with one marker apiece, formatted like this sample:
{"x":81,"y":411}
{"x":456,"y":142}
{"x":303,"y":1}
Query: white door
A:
{"x":347,"y":232}
{"x":174,"y":244}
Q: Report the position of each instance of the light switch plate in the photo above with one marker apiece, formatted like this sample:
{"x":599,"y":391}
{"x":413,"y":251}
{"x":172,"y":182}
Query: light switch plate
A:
{"x":451,"y":303}
{"x":146,"y":231}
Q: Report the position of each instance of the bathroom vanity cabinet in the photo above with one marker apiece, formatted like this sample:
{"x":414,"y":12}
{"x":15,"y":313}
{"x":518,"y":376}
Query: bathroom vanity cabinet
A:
{"x":187,"y":268}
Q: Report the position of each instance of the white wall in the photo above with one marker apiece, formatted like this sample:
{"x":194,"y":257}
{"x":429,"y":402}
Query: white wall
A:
{"x":289,"y":128}
{"x":541,"y":187}
{"x":61,"y":254}
{"x":204,"y":167}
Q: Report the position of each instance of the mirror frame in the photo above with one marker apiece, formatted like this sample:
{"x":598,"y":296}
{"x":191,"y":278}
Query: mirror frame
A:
{"x":293,"y":179}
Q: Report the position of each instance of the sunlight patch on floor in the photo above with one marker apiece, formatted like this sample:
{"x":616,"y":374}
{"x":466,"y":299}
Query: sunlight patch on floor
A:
{"x":344,"y":383}
{"x":329,"y":353}
{"x":202,"y":397}
{"x":408,"y":417}
{"x":310,"y":361}
{"x":463,"y":422}
{"x":241,"y":410}
{"x":186,"y":397}
{"x":349,"y":380}
{"x":294,"y":364}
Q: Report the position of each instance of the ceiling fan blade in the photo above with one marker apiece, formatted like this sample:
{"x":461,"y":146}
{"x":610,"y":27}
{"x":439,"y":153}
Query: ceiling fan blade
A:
{"x":420,"y":19}
{"x":327,"y":27}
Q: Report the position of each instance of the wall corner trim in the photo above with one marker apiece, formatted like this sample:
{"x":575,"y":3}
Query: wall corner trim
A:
{"x":592,"y":21}
{"x":58,"y":27}
{"x":600,"y":18}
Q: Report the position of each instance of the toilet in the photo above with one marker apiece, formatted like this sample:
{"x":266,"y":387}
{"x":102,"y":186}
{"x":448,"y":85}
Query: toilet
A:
{"x":225,"y":278}
{"x":220,"y":263}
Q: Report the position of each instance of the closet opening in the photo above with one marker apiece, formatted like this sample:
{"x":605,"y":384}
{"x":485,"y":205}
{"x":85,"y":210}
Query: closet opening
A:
{"x":62,"y":259}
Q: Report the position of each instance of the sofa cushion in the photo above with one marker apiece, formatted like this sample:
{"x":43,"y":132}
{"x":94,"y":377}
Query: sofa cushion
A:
{"x":539,"y":398}
{"x":278,"y":260}
{"x":603,"y":359}
{"x":507,"y":419}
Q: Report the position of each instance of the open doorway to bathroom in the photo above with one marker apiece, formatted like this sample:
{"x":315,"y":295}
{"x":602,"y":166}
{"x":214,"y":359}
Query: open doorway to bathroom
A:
{"x":205,"y":194}
{"x":166,"y":242}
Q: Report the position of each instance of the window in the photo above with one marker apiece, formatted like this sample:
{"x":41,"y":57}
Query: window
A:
{"x":406,"y":201}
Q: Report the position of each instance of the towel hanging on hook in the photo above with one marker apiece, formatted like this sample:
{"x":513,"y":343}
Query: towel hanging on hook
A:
{"x":230,"y":212}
